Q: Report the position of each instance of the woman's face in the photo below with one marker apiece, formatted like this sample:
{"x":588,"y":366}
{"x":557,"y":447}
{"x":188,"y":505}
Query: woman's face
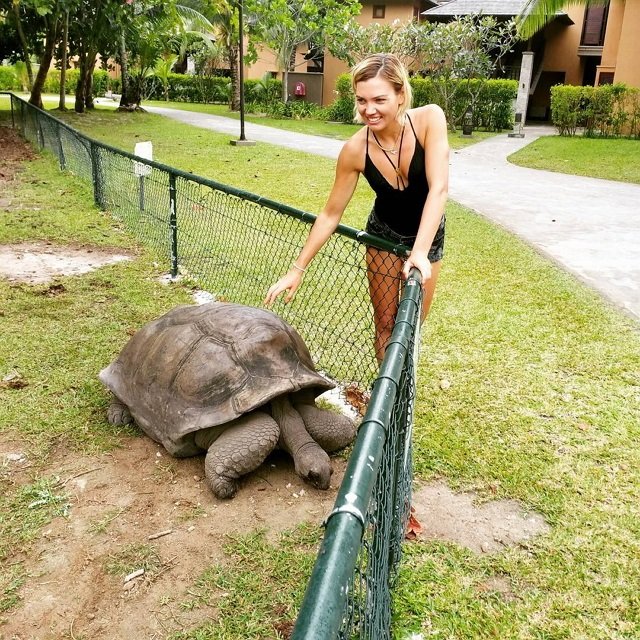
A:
{"x":378,"y":102}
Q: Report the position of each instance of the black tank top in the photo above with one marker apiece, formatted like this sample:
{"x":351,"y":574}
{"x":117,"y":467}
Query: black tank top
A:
{"x":400,"y":209}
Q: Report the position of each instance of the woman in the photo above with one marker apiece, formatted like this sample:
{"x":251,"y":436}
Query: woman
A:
{"x":404,"y":155}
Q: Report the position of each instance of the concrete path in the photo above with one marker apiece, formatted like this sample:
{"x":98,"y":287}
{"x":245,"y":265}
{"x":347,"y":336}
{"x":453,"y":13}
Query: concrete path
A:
{"x":589,"y":226}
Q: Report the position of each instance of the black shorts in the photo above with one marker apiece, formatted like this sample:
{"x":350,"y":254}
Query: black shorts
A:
{"x":376,"y":227}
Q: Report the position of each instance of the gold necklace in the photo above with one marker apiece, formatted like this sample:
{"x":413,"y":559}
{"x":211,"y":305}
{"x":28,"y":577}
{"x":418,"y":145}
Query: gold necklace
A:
{"x":393,"y":150}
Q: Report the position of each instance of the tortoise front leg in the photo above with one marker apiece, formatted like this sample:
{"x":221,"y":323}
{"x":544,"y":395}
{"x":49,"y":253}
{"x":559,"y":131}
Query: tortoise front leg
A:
{"x":311,"y":461}
{"x":241,"y":448}
{"x":118,"y":413}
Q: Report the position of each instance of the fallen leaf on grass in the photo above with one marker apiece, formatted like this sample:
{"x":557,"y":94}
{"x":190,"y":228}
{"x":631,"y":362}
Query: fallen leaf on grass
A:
{"x":13,"y":380}
{"x":414,"y":528}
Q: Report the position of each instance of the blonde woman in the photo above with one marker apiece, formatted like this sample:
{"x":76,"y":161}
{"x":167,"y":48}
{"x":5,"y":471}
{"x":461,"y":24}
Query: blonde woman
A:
{"x":404,"y":155}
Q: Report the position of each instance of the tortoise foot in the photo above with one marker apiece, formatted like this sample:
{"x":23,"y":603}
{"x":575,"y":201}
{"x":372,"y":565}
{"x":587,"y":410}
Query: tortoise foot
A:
{"x":223,"y":488}
{"x":118,"y":414}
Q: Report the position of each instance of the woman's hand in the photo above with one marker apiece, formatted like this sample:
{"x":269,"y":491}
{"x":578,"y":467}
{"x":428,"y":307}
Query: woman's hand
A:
{"x":289,"y":282}
{"x":419,"y":260}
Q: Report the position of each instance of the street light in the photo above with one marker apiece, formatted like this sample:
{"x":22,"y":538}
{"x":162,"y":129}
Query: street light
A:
{"x":242,"y":141}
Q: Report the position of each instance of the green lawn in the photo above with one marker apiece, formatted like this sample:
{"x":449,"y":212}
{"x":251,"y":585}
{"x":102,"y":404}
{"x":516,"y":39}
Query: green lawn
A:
{"x":542,"y":406}
{"x":611,"y":159}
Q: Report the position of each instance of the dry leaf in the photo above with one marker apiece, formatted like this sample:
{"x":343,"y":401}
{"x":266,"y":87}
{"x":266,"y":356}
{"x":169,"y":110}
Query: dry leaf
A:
{"x":414,"y":528}
{"x":357,"y":397}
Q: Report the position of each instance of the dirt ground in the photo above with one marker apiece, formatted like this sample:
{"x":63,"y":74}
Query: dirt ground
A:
{"x":138,"y":491}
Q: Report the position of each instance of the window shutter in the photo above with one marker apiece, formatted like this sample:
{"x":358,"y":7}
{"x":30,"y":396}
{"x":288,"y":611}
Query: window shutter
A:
{"x":595,"y":23}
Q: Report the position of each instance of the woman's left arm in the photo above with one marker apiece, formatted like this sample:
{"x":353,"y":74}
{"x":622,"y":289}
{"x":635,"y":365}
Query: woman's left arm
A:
{"x":436,"y":146}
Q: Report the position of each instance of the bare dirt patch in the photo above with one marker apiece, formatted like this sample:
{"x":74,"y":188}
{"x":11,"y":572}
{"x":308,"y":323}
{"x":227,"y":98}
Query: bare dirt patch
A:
{"x":484,"y":528}
{"x":122,"y":498}
{"x":14,"y":151}
{"x":38,"y":262}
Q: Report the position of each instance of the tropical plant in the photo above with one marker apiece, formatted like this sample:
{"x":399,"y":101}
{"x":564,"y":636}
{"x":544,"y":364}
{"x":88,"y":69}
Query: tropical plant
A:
{"x":537,"y":13}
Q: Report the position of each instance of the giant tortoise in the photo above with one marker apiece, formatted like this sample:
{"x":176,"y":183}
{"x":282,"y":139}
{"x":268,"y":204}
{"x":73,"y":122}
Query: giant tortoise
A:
{"x":232,"y":380}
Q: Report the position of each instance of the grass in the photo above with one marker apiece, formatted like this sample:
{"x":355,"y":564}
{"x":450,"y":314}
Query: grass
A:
{"x":133,"y":557}
{"x":543,"y":407}
{"x":257,"y":590}
{"x":610,"y":159}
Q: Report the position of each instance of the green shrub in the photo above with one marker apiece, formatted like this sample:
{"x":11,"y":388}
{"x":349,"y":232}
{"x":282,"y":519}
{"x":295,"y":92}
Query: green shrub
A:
{"x":493,"y":109}
{"x":341,"y":110}
{"x":8,"y":79}
{"x":567,"y":110}
{"x":100,"y":82}
{"x":114,"y":84}
{"x":607,"y":110}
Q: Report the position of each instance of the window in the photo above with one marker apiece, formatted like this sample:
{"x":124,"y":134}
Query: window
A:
{"x":595,"y":26}
{"x":605,"y":77}
{"x":378,"y":11}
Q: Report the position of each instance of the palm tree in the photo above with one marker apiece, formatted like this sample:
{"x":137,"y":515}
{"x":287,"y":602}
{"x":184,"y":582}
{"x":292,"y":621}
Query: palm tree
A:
{"x":537,"y":13}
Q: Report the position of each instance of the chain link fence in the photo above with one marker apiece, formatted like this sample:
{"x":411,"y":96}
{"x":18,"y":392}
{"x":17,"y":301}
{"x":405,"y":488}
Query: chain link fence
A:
{"x":235,"y":244}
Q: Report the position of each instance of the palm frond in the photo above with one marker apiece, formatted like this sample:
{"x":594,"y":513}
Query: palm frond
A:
{"x":537,"y":13}
{"x":194,"y":21}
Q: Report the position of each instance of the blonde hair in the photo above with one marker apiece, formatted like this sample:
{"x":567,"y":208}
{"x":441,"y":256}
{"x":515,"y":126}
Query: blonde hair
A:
{"x":388,"y":67}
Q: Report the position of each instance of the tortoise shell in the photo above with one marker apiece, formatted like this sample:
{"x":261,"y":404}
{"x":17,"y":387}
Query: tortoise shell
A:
{"x":201,"y":366}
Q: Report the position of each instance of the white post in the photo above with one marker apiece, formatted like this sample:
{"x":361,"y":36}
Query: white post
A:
{"x":522,"y":100}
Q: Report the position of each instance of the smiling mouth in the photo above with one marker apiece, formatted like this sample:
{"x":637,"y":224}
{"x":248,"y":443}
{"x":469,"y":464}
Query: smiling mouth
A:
{"x":374,"y":120}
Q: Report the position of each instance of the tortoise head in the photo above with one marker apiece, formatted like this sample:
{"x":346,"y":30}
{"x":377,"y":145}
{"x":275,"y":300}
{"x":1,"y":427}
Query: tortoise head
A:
{"x":313,"y":465}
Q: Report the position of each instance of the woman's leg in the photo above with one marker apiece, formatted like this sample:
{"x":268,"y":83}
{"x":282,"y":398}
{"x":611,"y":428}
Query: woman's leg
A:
{"x":430,"y":289}
{"x":384,"y":271}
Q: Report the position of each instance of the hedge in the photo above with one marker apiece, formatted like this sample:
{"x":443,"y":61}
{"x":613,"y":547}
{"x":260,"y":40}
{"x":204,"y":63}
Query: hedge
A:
{"x":8,"y":79}
{"x":609,"y":110}
{"x":493,"y":109}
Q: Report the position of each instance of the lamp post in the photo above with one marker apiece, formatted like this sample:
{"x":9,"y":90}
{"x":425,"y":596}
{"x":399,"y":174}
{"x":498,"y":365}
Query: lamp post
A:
{"x":242,"y":141}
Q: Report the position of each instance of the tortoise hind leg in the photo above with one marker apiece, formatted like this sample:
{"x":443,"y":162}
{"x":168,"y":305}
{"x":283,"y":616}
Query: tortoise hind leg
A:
{"x":118,"y":413}
{"x":241,"y":448}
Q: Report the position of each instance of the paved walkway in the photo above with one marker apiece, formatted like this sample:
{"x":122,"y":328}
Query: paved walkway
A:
{"x":589,"y":226}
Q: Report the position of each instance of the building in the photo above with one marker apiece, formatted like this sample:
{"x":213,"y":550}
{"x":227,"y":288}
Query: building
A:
{"x":579,"y":46}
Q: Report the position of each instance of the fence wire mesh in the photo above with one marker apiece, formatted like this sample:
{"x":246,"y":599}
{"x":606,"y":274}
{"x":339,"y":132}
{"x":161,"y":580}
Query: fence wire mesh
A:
{"x":235,"y":244}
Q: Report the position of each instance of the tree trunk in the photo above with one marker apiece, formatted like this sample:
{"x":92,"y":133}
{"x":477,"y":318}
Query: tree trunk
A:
{"x":45,"y":63}
{"x":23,"y":42}
{"x":88,"y":82}
{"x":127,"y":100}
{"x":233,"y":54}
{"x":63,"y":64}
{"x":285,"y":85}
{"x":82,"y":61}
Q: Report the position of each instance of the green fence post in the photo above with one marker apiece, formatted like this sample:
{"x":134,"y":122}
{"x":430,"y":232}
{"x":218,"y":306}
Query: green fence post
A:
{"x":173,"y":225}
{"x":13,"y":119}
{"x":96,"y":175}
{"x":61,"y":158}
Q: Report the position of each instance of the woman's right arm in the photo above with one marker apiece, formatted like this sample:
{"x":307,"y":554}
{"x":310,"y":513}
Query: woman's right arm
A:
{"x":347,"y":173}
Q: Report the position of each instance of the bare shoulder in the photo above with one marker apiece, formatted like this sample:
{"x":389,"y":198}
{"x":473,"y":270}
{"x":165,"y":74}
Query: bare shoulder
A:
{"x":353,"y":151}
{"x":430,"y":123}
{"x":430,"y":116}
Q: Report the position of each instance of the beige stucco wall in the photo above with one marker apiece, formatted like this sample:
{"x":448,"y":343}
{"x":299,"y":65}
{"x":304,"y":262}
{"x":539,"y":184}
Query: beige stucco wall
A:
{"x":628,"y":60}
{"x":561,"y":52}
{"x":332,"y":69}
{"x":612,"y":35}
